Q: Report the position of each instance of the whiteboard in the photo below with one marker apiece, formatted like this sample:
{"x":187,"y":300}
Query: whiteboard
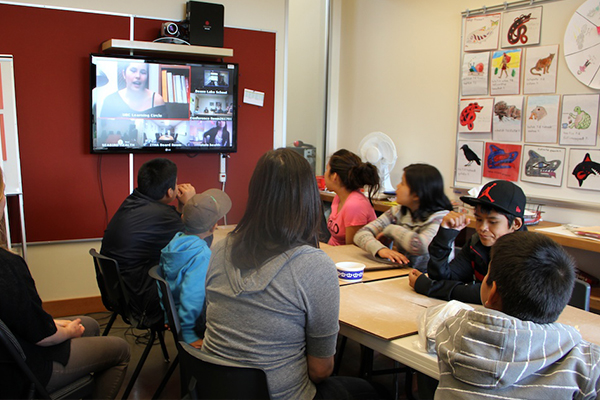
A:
{"x":9,"y":139}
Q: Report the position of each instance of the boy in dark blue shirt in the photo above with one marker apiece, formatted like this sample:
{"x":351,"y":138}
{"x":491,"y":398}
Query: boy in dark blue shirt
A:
{"x":499,"y":211}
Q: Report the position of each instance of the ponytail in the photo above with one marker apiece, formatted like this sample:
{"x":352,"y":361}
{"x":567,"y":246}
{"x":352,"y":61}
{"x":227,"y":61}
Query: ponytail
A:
{"x":354,"y":173}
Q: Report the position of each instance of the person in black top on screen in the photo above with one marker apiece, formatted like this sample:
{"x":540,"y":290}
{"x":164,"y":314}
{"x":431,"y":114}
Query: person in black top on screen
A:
{"x":134,"y":98}
{"x":218,"y":135}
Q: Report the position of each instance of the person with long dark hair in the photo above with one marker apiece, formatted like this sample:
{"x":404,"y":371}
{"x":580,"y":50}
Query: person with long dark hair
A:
{"x":133,"y":97}
{"x":412,"y":224}
{"x":272,"y":295}
{"x":345,"y":175}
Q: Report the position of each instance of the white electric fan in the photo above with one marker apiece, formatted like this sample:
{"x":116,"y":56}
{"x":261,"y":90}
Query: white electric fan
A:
{"x":379,"y":149}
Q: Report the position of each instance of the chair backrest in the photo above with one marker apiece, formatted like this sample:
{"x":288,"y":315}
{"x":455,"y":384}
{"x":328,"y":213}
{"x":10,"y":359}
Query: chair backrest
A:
{"x":216,"y":378}
{"x":166,"y":297}
{"x":581,"y":295}
{"x":114,"y":297}
{"x":81,"y":388}
{"x":13,"y":348}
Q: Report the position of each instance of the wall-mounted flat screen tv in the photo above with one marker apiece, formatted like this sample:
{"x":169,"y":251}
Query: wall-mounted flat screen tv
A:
{"x":142,"y":105}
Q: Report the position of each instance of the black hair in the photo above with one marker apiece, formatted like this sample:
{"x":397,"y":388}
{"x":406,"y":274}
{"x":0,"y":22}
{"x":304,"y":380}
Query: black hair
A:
{"x":283,"y":210}
{"x":156,"y":177}
{"x":534,"y":276}
{"x":354,"y":173}
{"x":427,"y":183}
{"x":487,"y":208}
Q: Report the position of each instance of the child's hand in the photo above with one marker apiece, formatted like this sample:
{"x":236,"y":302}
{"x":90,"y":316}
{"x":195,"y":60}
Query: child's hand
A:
{"x":393,"y":256}
{"x":185,"y":191}
{"x":455,"y":220}
{"x":413,"y":276}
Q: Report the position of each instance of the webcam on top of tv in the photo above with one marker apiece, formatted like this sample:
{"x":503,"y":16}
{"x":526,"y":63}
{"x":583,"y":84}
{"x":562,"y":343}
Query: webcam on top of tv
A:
{"x":175,"y":32}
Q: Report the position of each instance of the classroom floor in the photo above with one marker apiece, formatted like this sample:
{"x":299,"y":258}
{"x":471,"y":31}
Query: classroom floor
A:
{"x":155,"y":367}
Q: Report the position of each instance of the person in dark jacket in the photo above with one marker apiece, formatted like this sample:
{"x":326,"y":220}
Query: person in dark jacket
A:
{"x":141,"y":227}
{"x":499,"y":210}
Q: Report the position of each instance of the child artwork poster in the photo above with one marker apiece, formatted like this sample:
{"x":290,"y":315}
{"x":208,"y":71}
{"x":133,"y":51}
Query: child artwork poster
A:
{"x":543,"y":165}
{"x":482,"y":32}
{"x":468,"y":161}
{"x":579,"y":120}
{"x":521,"y":27}
{"x":584,"y":169}
{"x":475,"y":115}
{"x":541,"y":64}
{"x":475,"y":72}
{"x":542,"y":119}
{"x":507,"y":122}
{"x":505,"y":72}
{"x":580,"y":45}
{"x":502,"y":161}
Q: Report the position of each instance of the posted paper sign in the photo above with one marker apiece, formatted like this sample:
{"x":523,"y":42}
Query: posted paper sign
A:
{"x":505,"y":73}
{"x":584,"y":169}
{"x":542,"y":120}
{"x":502,"y":161}
{"x":508,"y":121}
{"x":475,"y":115}
{"x":482,"y":32}
{"x":469,"y":163}
{"x":579,"y":120}
{"x":475,"y":72}
{"x":540,"y":69}
{"x":254,"y":97}
{"x":543,"y":165}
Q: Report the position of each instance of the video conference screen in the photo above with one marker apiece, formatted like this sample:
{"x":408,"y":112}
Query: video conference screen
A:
{"x":145,"y":106}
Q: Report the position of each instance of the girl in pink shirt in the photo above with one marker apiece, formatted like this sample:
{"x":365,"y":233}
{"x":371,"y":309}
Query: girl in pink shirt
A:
{"x":346,"y":174}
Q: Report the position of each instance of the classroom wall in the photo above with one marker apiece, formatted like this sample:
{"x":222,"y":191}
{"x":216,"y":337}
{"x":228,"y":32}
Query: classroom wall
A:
{"x":399,"y":74}
{"x":64,"y":270}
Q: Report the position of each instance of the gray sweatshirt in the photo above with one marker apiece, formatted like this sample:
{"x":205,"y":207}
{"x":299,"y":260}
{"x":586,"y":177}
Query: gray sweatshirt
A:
{"x":486,"y":354}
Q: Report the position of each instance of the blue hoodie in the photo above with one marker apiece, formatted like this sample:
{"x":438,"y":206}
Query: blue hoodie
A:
{"x":184,"y":262}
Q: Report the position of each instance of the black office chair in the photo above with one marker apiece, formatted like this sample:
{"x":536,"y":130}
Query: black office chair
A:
{"x":215,"y":378}
{"x":174,"y":325}
{"x":116,"y":299}
{"x":581,"y":295}
{"x":79,"y":389}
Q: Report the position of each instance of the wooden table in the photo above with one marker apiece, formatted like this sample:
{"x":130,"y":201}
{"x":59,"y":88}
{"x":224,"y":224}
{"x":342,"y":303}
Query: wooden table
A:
{"x":383,"y":315}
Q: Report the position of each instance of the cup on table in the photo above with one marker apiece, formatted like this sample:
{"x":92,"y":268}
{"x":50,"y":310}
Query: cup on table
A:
{"x":350,"y":271}
{"x":321,"y":182}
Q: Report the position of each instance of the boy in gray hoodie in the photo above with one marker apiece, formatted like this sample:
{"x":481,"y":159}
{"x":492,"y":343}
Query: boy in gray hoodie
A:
{"x":514,"y":348}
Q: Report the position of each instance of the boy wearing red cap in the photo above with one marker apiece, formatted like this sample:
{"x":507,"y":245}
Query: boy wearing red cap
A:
{"x":499,"y":209}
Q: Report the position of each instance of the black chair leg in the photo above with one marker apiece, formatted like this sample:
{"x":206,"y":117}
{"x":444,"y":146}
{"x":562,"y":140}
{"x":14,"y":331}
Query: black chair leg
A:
{"x":166,"y":378}
{"x":339,"y":355}
{"x":111,"y":321}
{"x":140,"y":364}
{"x":366,"y":362}
{"x":161,"y":339}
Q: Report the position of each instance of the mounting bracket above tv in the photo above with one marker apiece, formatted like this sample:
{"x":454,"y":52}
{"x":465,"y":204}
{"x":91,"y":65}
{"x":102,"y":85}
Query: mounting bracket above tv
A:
{"x":118,"y":46}
{"x":143,"y":105}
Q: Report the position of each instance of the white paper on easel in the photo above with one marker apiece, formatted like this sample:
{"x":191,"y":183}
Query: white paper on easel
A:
{"x":254,"y":97}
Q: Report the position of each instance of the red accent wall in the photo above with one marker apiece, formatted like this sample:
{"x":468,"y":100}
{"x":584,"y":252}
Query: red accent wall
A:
{"x":62,"y":181}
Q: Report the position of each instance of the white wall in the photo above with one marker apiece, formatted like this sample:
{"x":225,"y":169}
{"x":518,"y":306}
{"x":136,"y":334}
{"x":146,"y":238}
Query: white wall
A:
{"x":399,"y":72}
{"x":65,"y":270}
{"x":305,"y":109}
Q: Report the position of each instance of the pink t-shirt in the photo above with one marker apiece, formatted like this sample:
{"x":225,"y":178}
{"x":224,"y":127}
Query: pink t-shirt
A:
{"x":357,"y":211}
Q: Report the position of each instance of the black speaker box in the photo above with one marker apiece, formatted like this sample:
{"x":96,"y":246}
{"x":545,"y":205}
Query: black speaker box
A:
{"x":206,"y":23}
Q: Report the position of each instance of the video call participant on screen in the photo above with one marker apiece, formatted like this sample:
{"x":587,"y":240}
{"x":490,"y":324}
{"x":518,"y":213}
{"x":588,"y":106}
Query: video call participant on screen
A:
{"x":218,"y":135}
{"x":141,"y":227}
{"x":134,"y":98}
